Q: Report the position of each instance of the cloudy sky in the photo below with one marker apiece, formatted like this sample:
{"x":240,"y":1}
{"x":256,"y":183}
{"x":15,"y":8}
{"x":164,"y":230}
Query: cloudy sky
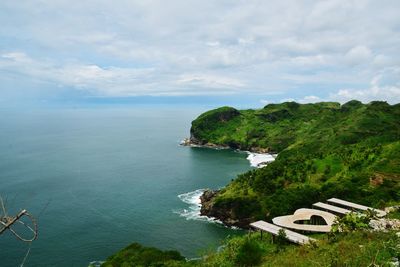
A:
{"x":259,"y":51}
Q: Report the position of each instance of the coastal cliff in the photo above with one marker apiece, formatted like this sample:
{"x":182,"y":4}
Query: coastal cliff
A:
{"x":228,"y":215}
{"x":351,"y":151}
{"x":325,"y":150}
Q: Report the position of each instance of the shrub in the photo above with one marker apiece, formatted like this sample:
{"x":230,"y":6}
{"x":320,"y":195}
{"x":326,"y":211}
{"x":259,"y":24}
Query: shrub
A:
{"x":353,"y":221}
{"x":249,"y":254}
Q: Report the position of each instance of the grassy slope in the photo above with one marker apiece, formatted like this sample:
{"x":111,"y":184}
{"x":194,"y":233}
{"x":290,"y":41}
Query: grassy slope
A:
{"x":351,"y":249}
{"x":359,"y":248}
{"x":325,"y":149}
{"x":139,"y":256}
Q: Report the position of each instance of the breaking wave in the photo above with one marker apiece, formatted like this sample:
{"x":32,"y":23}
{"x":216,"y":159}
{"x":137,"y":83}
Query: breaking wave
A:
{"x":260,"y":160}
{"x":192,"y":212}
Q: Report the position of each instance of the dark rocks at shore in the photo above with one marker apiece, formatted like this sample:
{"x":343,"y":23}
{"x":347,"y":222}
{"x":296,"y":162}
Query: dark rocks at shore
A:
{"x":193,"y":142}
{"x":224,"y":214}
{"x":260,"y":150}
{"x":207,"y":197}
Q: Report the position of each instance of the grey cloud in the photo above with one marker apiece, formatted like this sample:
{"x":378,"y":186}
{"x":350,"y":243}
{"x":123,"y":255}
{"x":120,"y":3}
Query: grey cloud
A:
{"x":202,"y":47}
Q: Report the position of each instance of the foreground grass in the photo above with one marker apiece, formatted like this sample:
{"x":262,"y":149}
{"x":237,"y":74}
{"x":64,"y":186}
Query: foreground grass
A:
{"x":360,"y":248}
{"x":352,"y":249}
{"x":356,"y":249}
{"x":137,"y":255}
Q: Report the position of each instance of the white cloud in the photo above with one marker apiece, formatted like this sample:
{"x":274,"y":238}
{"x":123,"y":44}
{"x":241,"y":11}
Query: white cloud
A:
{"x":116,"y":81}
{"x":310,"y":99}
{"x":358,"y":55}
{"x":312,"y":61}
{"x":209,"y":81}
{"x":216,"y":43}
{"x":202,"y":47}
{"x":288,"y":100}
{"x":384,"y":86}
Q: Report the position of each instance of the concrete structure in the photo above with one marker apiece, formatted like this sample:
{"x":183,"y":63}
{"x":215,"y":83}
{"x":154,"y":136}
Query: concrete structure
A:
{"x":318,"y":219}
{"x":308,"y":220}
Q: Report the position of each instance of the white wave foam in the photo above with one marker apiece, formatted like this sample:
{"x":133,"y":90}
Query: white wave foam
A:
{"x":260,"y":160}
{"x":193,"y":210}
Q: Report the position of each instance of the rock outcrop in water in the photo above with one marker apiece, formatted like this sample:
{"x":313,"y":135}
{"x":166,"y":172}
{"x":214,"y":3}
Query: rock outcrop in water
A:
{"x":226,"y":214}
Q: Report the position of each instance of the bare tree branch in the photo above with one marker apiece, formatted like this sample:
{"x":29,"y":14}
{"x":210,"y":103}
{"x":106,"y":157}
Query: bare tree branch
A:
{"x":8,"y":221}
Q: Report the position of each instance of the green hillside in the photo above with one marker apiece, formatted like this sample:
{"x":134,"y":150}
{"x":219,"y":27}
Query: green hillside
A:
{"x":351,"y":151}
{"x":356,"y":248}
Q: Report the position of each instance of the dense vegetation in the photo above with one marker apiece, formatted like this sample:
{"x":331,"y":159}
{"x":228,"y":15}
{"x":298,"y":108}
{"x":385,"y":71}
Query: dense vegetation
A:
{"x":351,"y":151}
{"x":357,"y":248}
{"x":139,"y":256}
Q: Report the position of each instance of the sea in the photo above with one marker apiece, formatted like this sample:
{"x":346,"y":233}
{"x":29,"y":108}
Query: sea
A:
{"x":99,"y":179}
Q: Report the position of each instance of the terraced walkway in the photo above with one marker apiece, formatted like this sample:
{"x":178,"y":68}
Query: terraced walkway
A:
{"x":319,"y":219}
{"x":274,"y":229}
{"x":354,"y":206}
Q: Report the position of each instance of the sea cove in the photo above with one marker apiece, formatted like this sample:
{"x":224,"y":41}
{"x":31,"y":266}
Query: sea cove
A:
{"x":101,"y":179}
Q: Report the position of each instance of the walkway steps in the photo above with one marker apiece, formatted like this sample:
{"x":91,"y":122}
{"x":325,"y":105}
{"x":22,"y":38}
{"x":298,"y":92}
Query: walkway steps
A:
{"x":354,"y":206}
{"x":331,"y":208}
{"x":290,"y":235}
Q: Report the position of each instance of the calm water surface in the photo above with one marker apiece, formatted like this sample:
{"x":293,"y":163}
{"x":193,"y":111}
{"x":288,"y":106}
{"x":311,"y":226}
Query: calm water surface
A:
{"x":107,"y":178}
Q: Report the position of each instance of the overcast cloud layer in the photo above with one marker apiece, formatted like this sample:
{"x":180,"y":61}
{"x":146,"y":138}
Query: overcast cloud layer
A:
{"x":276,"y":50}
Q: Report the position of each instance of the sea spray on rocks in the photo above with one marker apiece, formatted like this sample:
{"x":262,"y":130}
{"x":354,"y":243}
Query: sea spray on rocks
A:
{"x":193,"y":211}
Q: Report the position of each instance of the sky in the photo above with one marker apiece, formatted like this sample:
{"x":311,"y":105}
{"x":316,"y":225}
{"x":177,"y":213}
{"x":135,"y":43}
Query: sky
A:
{"x":234,"y":52}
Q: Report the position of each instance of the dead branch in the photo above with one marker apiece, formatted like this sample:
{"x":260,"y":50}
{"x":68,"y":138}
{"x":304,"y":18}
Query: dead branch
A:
{"x":8,"y":221}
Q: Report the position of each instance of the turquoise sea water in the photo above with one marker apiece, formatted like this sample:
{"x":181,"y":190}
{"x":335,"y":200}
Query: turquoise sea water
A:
{"x":106,"y":178}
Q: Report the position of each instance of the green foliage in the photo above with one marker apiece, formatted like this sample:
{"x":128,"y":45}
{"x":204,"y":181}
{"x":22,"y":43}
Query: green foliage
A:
{"x":247,"y":250}
{"x":351,"y":151}
{"x":281,"y":240}
{"x":249,"y":253}
{"x":212,"y":121}
{"x":353,"y":249}
{"x":357,"y":248}
{"x":281,"y":236}
{"x":137,"y":255}
{"x":394,"y":215}
{"x":352,"y":222}
{"x":241,"y":207}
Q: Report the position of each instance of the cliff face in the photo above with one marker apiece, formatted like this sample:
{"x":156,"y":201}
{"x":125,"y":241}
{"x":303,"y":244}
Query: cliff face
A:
{"x":211,"y":121}
{"x":225,"y":214}
{"x":325,"y":150}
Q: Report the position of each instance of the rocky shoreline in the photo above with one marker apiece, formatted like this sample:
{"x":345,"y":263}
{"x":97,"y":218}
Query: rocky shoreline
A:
{"x":189,"y":142}
{"x":225,"y":215}
{"x":192,"y":142}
